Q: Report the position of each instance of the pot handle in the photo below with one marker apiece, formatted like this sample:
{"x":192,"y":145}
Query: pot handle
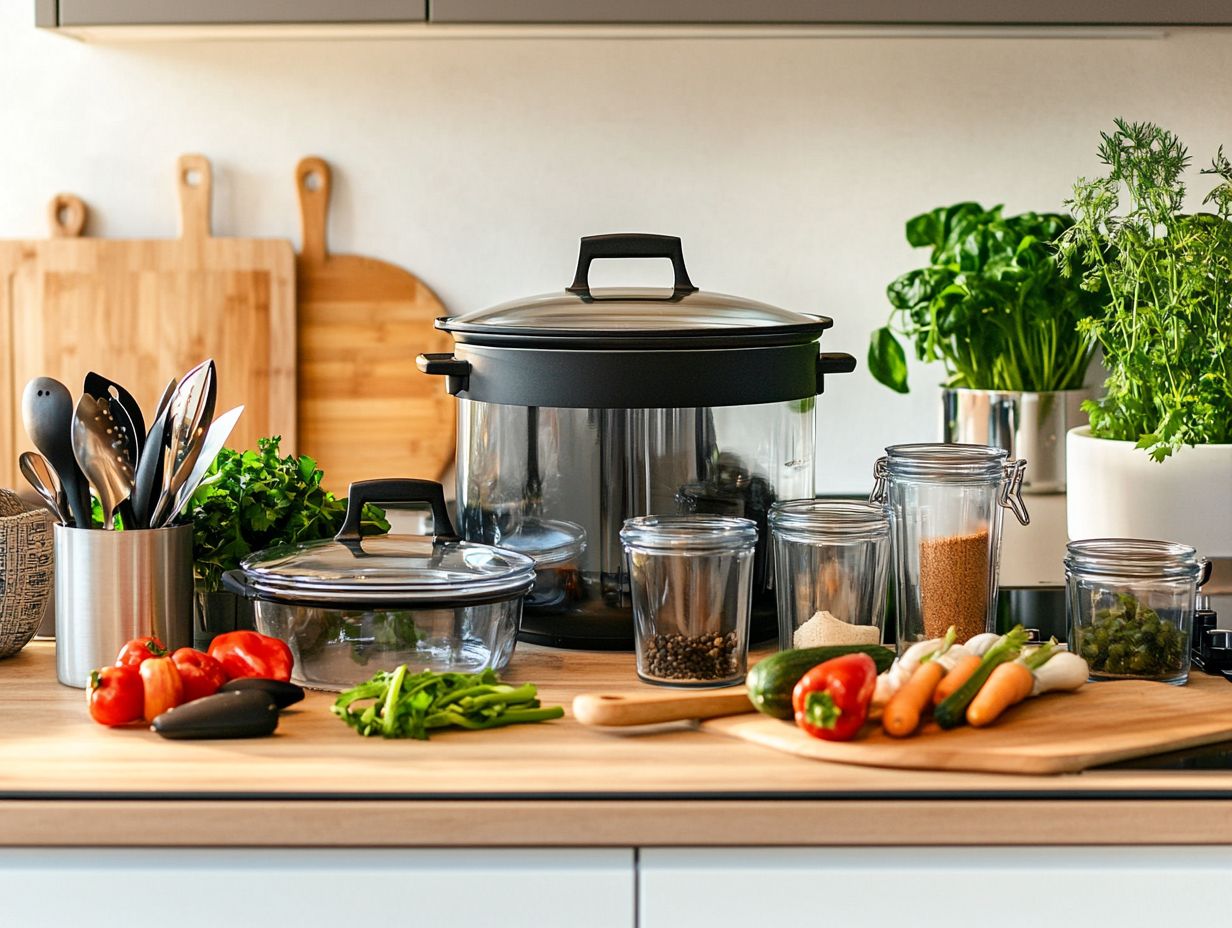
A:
{"x":631,"y":245}
{"x":832,"y":362}
{"x":395,"y":490}
{"x":233,"y":582}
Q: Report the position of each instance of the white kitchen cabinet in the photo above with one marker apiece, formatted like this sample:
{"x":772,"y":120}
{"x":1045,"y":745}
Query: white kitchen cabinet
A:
{"x":315,"y":888}
{"x":927,"y":887}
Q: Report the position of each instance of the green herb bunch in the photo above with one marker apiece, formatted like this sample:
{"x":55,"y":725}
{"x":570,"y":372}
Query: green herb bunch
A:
{"x":991,"y":305}
{"x":1166,"y":332}
{"x":250,"y":500}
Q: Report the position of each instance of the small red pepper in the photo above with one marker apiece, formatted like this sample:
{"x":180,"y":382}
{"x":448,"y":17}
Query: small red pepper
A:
{"x":831,"y":701}
{"x":251,"y":654}
{"x":200,"y":673}
{"x":140,"y":649}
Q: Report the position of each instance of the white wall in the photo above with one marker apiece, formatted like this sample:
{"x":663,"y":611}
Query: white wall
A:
{"x":787,"y":166}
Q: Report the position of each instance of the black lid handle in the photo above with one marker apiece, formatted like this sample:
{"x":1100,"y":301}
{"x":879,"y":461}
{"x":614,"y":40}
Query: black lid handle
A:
{"x":395,"y":490}
{"x":631,"y":245}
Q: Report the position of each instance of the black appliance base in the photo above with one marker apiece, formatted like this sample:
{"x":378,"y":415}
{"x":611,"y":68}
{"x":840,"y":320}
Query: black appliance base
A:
{"x":612,"y":629}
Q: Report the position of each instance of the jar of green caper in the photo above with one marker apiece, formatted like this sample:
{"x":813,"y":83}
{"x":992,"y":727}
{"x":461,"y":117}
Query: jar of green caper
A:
{"x":1131,"y":606}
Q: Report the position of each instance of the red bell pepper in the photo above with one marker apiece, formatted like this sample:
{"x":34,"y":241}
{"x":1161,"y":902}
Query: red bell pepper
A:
{"x":200,"y":673}
{"x":251,"y":654}
{"x":831,"y":701}
{"x":162,"y":687}
{"x":140,"y":649}
{"x":115,"y":695}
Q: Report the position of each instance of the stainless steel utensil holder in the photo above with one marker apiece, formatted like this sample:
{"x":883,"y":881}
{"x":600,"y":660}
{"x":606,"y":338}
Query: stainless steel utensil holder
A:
{"x":113,"y":586}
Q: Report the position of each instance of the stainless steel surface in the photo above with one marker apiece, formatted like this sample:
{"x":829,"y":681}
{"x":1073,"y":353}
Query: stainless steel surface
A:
{"x":47,"y":412}
{"x":1029,"y":426}
{"x":113,"y":586}
{"x":217,"y":435}
{"x":102,"y":453}
{"x":189,"y":415}
{"x":39,"y":474}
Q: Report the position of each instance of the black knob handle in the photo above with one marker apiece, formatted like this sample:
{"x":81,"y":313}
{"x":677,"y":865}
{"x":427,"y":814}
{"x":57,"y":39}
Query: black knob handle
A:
{"x":631,"y":245}
{"x":395,"y":490}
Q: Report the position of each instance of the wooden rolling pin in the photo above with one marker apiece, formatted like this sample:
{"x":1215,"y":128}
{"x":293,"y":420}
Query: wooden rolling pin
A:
{"x":651,"y":708}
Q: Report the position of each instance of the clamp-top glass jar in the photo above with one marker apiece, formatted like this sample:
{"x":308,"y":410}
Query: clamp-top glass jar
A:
{"x":945,"y":505}
{"x":1131,"y":606}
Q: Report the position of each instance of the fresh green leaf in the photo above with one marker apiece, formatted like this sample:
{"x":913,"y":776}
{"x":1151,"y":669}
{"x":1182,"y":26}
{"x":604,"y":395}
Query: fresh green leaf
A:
{"x":250,"y":500}
{"x":886,"y":360}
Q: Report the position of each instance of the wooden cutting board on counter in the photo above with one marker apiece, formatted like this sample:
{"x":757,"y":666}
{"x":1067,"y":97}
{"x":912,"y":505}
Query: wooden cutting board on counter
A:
{"x":1101,"y":723}
{"x":365,"y":410}
{"x":143,"y":311}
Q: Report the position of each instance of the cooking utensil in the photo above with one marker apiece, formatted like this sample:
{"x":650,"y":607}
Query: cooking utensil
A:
{"x":124,"y":407}
{"x":102,"y":452}
{"x":47,"y":410}
{"x":188,"y":415}
{"x":350,"y":606}
{"x":39,"y":474}
{"x":620,"y":709}
{"x":361,"y":323}
{"x":168,"y":392}
{"x":148,"y":479}
{"x":215,"y":439}
{"x":592,"y":406}
{"x":144,"y":310}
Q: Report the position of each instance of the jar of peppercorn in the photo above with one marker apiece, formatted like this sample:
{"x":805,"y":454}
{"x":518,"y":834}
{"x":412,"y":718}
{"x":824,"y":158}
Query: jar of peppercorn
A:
{"x":1131,"y":604}
{"x":691,"y":581}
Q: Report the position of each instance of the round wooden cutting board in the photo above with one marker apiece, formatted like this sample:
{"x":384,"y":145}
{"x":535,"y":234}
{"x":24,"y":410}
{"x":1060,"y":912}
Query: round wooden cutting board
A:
{"x":365,"y":411}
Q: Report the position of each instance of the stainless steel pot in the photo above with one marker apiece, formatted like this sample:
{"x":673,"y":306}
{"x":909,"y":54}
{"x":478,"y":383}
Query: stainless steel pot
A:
{"x":584,"y":408}
{"x":1027,"y":426}
{"x":351,"y":606}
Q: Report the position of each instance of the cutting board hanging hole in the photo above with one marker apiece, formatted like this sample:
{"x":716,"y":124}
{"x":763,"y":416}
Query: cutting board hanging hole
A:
{"x":66,"y":214}
{"x":313,"y":179}
{"x":196,"y":193}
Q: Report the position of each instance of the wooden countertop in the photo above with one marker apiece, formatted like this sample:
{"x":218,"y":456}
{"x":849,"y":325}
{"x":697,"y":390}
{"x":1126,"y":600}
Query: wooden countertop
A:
{"x":66,"y":781}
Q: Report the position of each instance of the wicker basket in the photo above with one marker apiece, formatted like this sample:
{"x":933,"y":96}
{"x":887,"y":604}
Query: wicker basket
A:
{"x":27,"y":570}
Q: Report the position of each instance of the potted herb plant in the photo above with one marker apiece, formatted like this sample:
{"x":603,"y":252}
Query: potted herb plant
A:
{"x":994,"y":308}
{"x":1156,"y":461}
{"x":248,"y":501}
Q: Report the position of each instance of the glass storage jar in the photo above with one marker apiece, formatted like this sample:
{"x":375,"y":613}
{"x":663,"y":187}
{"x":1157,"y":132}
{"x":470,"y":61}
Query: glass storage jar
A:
{"x":1130,"y":604}
{"x":832,"y":556}
{"x":945,"y":505}
{"x":692,"y":585}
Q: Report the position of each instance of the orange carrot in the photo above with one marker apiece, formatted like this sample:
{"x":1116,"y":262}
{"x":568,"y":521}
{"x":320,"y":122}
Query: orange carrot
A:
{"x":1009,"y":684}
{"x":957,"y":676}
{"x":902,"y":713}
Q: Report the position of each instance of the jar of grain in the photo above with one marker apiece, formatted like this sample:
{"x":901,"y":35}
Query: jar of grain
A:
{"x":830,"y":556}
{"x":945,"y":505}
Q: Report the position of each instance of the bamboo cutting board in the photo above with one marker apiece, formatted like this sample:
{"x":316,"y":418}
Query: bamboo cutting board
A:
{"x":365,"y":411}
{"x":143,"y":311}
{"x":1057,"y":733}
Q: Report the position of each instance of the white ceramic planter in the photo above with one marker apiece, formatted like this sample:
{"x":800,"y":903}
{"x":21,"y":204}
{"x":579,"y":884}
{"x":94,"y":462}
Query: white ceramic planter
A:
{"x":1117,"y":491}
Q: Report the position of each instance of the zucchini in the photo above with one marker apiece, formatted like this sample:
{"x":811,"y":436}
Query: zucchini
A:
{"x":771,"y":681}
{"x":952,"y":711}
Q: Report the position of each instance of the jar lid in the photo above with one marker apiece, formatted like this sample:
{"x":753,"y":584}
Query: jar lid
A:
{"x":689,"y":534}
{"x":1136,"y":558}
{"x":389,"y":568}
{"x":828,"y":518}
{"x":928,"y":459}
{"x":549,"y":542}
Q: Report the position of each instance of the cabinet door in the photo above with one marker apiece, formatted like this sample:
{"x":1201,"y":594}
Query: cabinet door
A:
{"x":215,"y":12}
{"x":1144,"y":12}
{"x":317,"y":888}
{"x":1129,"y":887}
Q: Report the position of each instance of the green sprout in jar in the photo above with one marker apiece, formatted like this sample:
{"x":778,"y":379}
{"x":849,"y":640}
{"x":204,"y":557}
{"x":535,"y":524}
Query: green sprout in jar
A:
{"x":1126,"y":638}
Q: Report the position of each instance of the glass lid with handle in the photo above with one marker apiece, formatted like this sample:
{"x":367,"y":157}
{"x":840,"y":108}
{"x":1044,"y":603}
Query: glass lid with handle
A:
{"x":580,"y":315}
{"x":350,"y":568}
